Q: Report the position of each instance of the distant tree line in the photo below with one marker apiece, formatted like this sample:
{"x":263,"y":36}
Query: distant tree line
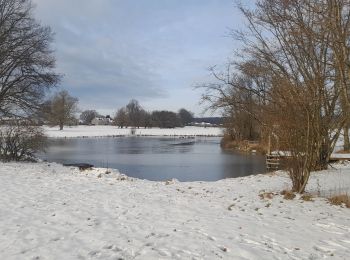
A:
{"x":134,"y":115}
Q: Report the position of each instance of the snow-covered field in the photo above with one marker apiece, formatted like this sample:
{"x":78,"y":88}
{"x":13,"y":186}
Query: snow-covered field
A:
{"x":48,"y":211}
{"x":99,"y":131}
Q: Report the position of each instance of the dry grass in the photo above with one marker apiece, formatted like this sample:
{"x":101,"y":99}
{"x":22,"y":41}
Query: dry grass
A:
{"x":288,"y":195}
{"x":243,"y":146}
{"x":342,"y":152}
{"x":306,"y":197}
{"x":343,"y":199}
{"x":228,"y":143}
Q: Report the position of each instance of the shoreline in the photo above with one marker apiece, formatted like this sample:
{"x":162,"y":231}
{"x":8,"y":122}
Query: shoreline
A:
{"x":117,"y":136}
{"x":113,"y":131}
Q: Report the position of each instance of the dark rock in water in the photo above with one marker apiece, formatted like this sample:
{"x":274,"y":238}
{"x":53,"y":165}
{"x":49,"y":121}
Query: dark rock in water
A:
{"x":81,"y":166}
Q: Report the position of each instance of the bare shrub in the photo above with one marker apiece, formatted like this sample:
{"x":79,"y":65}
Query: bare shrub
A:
{"x":343,"y":199}
{"x":19,"y":142}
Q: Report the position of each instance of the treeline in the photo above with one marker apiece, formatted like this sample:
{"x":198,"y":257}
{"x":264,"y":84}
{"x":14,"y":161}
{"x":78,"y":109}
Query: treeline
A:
{"x":289,"y":85}
{"x":134,"y":115}
{"x":61,"y":109}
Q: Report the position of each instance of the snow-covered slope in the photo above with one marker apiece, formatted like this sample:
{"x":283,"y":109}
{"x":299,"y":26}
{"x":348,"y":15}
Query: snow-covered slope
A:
{"x":48,"y":211}
{"x":99,"y":131}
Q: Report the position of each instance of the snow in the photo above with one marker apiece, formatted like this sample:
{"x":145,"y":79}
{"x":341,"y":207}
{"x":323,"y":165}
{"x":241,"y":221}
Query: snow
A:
{"x":281,"y":153}
{"x":100,"y":131}
{"x":339,"y":146}
{"x":48,"y":211}
{"x":340,"y":156}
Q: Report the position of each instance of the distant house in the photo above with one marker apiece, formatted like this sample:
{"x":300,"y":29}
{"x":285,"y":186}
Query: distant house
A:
{"x":101,"y":120}
{"x":208,"y":121}
{"x":110,"y":120}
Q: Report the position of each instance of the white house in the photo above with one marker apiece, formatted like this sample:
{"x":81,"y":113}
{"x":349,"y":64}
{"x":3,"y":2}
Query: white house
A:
{"x":101,"y":120}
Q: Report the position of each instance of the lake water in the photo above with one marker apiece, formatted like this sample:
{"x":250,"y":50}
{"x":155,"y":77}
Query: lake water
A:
{"x":155,"y":158}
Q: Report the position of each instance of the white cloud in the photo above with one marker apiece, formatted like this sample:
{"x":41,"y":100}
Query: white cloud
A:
{"x":112,"y":50}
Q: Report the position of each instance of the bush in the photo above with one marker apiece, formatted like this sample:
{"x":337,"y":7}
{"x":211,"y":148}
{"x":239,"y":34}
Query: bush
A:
{"x":19,"y":142}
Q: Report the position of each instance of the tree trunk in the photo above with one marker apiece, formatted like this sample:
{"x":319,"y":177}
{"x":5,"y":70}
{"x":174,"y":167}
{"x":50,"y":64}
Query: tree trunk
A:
{"x":61,"y":126}
{"x":304,"y":183}
{"x":323,"y":158}
{"x":346,"y":137}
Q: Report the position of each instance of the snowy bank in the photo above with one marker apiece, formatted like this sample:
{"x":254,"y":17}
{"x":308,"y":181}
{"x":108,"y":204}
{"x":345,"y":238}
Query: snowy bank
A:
{"x":100,"y":131}
{"x":53,"y":212}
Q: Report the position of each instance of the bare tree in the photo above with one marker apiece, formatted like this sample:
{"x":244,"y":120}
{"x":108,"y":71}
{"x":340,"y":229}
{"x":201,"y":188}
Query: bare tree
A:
{"x":241,"y":94}
{"x":26,"y":60}
{"x":121,"y":118}
{"x":87,"y":116}
{"x":165,"y":119}
{"x":337,"y":17}
{"x":185,"y":116}
{"x":62,"y":109}
{"x":146,"y":118}
{"x":299,"y":54}
{"x":297,"y":99}
{"x":134,"y":111}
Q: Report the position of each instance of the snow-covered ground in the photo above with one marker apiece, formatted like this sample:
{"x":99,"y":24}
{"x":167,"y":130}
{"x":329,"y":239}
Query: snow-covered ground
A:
{"x":99,"y":131}
{"x":48,"y":211}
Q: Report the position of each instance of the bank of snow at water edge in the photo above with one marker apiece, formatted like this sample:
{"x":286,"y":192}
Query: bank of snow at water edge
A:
{"x":53,"y":212}
{"x":100,"y":131}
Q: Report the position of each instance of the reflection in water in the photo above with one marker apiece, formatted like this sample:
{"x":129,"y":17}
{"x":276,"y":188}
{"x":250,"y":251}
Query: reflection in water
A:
{"x":157,"y":158}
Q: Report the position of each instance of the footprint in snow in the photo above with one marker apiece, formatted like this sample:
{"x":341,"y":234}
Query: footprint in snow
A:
{"x":162,"y":235}
{"x":163,"y":252}
{"x":149,"y":244}
{"x":108,"y":247}
{"x":112,"y":247}
{"x":94,"y":253}
{"x":93,"y":221}
{"x":150,"y":235}
{"x":55,"y":239}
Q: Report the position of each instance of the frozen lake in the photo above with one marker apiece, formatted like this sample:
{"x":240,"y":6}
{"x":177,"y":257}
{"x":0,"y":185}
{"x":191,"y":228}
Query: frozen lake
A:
{"x":157,"y":158}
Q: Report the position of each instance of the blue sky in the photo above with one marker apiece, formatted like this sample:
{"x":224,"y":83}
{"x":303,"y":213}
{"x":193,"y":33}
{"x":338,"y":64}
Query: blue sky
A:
{"x":155,"y":51}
